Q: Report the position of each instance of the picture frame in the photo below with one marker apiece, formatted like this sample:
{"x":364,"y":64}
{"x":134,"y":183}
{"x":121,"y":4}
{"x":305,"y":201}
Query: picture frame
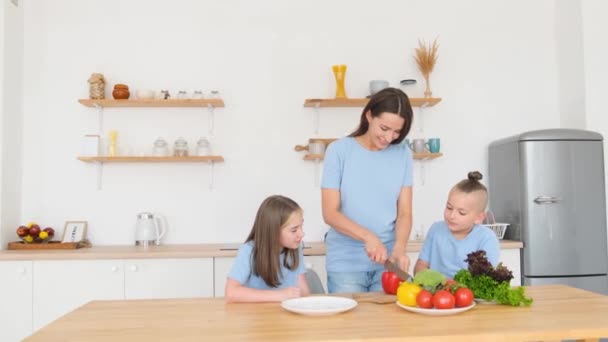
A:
{"x":74,"y":231}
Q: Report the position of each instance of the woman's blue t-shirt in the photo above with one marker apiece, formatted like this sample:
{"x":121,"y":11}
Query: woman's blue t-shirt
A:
{"x":369,"y":183}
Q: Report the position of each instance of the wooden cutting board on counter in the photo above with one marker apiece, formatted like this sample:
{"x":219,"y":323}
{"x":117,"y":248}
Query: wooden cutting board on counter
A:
{"x":20,"y":245}
{"x":374,"y":297}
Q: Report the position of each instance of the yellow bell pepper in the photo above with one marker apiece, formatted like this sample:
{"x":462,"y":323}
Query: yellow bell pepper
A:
{"x":407,"y":293}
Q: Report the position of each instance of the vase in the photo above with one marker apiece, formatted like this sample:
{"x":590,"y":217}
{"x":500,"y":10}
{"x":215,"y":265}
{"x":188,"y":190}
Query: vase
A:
{"x":427,"y":92}
{"x":339,"y":74}
{"x":121,"y":92}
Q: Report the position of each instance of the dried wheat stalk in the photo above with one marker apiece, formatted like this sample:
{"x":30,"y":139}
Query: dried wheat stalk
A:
{"x":426,"y":57}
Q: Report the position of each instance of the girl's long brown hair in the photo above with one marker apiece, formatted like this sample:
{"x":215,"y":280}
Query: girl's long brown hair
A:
{"x":387,"y":100}
{"x":265,"y":234}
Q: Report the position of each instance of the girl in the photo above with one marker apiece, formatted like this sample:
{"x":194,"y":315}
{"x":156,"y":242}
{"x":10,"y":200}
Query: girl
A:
{"x":269,"y":267}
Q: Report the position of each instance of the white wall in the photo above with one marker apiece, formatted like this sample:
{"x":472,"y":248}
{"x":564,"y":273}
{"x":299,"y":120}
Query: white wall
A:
{"x":2,"y":53}
{"x":11,"y":81}
{"x":571,"y":94}
{"x":497,"y":74}
{"x":596,"y":72}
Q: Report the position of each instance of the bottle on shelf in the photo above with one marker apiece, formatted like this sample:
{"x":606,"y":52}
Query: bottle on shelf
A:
{"x":112,"y":149}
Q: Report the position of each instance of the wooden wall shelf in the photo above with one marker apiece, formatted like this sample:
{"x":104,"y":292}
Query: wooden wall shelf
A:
{"x":361,"y":102}
{"x":427,"y":156}
{"x":153,"y":103}
{"x":150,"y":159}
{"x":417,"y":156}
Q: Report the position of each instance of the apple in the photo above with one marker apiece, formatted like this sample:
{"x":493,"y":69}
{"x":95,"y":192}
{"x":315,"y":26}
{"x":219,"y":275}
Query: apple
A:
{"x":50,"y":231}
{"x":34,"y":231}
{"x":22,"y":231}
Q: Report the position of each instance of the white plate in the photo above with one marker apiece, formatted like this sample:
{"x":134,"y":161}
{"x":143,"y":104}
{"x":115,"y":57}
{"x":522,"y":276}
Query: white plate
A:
{"x":318,"y":305}
{"x":483,"y":301}
{"x":435,"y":312}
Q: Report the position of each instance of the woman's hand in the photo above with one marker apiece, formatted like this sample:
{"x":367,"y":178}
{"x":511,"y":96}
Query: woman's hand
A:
{"x":375,"y":249}
{"x":402,"y":260}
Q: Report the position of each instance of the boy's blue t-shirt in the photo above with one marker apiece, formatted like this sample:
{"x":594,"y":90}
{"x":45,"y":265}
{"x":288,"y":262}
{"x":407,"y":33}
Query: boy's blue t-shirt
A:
{"x":242,"y":270}
{"x":446,"y":254}
{"x":369,"y":183}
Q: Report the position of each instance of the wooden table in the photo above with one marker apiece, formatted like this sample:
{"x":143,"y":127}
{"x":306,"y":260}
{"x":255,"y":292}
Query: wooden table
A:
{"x":558,"y":312}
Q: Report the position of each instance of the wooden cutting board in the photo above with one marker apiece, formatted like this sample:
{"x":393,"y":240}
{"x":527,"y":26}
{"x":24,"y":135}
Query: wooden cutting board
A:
{"x":20,"y":245}
{"x":374,"y":297}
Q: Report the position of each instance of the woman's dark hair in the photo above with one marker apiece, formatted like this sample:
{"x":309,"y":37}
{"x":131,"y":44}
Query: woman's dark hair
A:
{"x":472,"y":184}
{"x":387,"y":100}
{"x":273,"y":214}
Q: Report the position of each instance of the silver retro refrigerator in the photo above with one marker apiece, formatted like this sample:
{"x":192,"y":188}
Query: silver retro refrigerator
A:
{"x":549,"y":185}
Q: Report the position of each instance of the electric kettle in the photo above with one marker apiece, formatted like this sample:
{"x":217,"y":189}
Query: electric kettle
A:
{"x":149,"y":229}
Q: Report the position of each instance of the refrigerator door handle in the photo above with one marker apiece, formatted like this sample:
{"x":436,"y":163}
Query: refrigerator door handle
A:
{"x":546,"y":200}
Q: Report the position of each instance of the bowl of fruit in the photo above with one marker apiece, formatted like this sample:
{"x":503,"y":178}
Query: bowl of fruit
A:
{"x":32,"y":233}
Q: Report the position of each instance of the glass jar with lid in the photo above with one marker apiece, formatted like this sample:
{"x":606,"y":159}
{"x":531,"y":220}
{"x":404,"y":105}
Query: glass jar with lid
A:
{"x":161,"y":148}
{"x":180,"y":147}
{"x":203,"y":147}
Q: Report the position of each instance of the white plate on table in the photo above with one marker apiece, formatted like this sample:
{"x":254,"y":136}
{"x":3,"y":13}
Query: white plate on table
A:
{"x":318,"y":305}
{"x":435,"y":312}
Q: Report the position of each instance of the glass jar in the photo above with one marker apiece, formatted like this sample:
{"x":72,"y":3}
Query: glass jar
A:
{"x":197,"y":95}
{"x":214,"y":94}
{"x":180,"y":147}
{"x":203,"y":148}
{"x":182,"y":94}
{"x":161,"y":148}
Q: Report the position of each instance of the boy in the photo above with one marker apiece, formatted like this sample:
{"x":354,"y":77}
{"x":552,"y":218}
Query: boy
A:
{"x":448,"y":242}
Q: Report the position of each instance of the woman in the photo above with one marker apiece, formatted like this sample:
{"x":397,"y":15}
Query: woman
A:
{"x":367,"y":195}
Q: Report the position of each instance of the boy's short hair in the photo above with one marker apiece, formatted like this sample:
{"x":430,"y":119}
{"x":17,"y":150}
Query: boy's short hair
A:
{"x":473,"y":184}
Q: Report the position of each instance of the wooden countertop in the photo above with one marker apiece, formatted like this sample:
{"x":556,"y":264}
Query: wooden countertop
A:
{"x":558,"y":312}
{"x":172,"y":251}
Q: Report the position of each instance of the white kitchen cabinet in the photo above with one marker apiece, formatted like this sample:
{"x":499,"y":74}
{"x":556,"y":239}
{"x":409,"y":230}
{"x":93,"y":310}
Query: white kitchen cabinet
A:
{"x":168,"y":278}
{"x":15,"y":300}
{"x":510,"y":258}
{"x":61,"y":286}
{"x":222,"y":266}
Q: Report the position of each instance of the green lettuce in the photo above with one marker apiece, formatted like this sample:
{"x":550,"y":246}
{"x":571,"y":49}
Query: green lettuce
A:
{"x":489,"y":283}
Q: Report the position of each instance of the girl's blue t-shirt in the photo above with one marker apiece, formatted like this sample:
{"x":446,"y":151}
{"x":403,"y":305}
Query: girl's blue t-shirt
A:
{"x":369,"y":183}
{"x":446,"y":254}
{"x":242,"y":270}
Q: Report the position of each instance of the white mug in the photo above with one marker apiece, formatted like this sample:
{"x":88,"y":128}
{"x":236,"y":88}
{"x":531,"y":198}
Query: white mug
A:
{"x":418,"y":145}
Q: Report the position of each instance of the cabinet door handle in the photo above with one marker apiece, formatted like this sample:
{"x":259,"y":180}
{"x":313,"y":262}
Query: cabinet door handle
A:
{"x":114,"y":269}
{"x":546,"y":200}
{"x":133,"y":268}
{"x":21,"y":270}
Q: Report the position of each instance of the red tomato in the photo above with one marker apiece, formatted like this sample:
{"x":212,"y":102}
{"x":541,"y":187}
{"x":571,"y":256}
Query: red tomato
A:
{"x":450,"y":282}
{"x":443,"y":300}
{"x":425,"y":299}
{"x":464,"y":297}
{"x":390,"y":282}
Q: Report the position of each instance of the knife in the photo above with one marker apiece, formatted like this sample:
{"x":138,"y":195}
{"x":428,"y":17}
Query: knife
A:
{"x":391,"y":267}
